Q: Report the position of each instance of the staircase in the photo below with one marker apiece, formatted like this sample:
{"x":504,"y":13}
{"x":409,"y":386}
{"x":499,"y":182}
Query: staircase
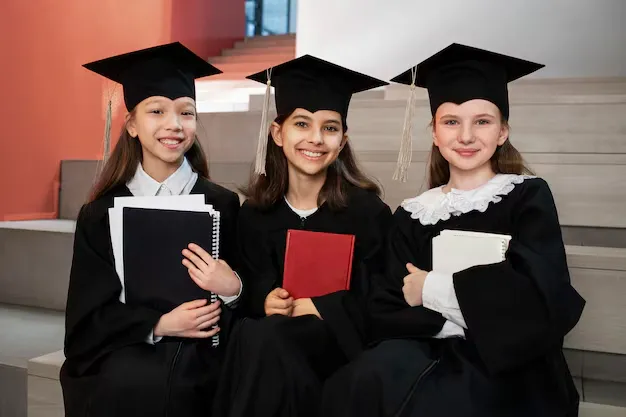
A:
{"x":582,"y":156}
{"x":254,"y":54}
{"x":230,"y":91}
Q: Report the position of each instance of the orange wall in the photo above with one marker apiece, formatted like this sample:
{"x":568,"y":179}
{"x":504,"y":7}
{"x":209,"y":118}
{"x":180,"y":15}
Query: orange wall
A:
{"x":51,"y":108}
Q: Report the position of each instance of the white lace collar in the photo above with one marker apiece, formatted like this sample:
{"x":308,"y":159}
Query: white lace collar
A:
{"x":434,"y":205}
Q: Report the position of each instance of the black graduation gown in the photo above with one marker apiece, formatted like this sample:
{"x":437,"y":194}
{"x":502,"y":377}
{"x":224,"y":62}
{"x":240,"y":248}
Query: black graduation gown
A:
{"x":110,"y":369}
{"x":275,"y":365}
{"x":517,"y":313}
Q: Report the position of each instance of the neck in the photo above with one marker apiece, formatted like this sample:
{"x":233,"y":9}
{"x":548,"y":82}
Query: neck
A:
{"x":304,"y":189}
{"x":159,"y":170}
{"x":469,"y":180}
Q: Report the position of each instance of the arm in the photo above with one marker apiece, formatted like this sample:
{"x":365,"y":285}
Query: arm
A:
{"x":519,"y":309}
{"x":96,"y":321}
{"x":256,"y":268}
{"x":345,"y":312}
{"x":391,"y":316}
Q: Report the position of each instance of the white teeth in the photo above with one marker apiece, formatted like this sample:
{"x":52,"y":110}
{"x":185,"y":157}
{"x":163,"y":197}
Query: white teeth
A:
{"x":170,"y":141}
{"x":312,"y":154}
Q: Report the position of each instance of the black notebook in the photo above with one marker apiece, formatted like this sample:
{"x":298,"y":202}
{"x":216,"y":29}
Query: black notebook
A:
{"x":154,"y":275}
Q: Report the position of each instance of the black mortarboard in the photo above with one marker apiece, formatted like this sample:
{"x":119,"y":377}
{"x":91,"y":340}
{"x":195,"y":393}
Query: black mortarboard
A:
{"x":312,"y":84}
{"x":166,"y":70}
{"x":460,"y":73}
{"x":457,"y":74}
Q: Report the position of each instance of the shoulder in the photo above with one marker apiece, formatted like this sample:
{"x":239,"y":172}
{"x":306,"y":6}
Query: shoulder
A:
{"x":367,"y":202}
{"x":97,"y":210}
{"x":534,"y":194}
{"x":259,"y":217}
{"x":215,"y":191}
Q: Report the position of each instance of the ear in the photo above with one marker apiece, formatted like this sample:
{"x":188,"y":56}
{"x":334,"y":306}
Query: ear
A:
{"x":344,"y":140}
{"x":434,"y":134}
{"x":130,"y":125}
{"x":277,"y":134}
{"x":504,"y":134}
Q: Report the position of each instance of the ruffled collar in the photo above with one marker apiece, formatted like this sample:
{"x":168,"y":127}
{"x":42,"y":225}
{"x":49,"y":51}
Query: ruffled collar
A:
{"x":434,"y":205}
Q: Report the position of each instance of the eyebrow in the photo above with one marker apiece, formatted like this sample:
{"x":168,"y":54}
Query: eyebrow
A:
{"x":485,"y":115}
{"x":333,"y":121}
{"x":302,"y":116}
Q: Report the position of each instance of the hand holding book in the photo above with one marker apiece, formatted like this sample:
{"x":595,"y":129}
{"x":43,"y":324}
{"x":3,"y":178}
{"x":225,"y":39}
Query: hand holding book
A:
{"x":210,"y":274}
{"x":191,"y":319}
{"x":414,"y":285}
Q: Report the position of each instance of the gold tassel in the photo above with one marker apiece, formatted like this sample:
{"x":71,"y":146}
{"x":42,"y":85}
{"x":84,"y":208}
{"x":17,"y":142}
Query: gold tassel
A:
{"x":107,"y":133}
{"x":406,"y":145}
{"x":261,"y":150}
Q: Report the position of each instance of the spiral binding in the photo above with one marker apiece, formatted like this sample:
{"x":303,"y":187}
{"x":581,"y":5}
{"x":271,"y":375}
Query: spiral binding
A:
{"x":505,"y":247}
{"x":215,"y":253}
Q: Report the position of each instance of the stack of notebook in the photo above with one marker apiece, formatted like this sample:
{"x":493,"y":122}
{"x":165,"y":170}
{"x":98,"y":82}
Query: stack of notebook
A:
{"x":148,"y":235}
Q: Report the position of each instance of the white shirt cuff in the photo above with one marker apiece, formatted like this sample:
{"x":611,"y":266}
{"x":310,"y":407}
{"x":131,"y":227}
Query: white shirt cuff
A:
{"x":438,"y":295}
{"x":151,"y":339}
{"x":450,"y":329}
{"x":232,"y":298}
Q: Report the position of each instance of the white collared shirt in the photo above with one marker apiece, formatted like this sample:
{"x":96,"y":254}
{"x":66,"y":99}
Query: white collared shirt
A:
{"x":180,"y":182}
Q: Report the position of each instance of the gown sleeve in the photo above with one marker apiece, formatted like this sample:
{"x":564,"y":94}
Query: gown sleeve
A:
{"x":345,"y":312}
{"x":391,"y":316}
{"x":97,"y":323}
{"x":519,"y":309}
{"x":257,"y":271}
{"x":228,"y":245}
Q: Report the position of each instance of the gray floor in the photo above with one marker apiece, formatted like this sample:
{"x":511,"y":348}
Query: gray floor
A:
{"x":26,"y":333}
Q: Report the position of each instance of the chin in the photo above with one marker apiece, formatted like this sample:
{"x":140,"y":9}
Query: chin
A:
{"x":311,"y":169}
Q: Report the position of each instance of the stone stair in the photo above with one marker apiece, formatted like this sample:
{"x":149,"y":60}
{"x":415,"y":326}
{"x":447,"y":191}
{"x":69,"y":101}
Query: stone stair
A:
{"x":571,"y":131}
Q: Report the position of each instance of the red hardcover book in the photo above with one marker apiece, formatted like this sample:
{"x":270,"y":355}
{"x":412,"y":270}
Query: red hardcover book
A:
{"x":317,"y":263}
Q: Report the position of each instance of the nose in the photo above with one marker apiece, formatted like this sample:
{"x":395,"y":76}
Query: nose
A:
{"x":316,"y":137}
{"x":173,"y":122}
{"x":466,"y":134}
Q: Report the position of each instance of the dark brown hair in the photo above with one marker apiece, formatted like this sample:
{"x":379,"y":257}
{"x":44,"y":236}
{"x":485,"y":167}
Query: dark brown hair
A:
{"x":265,"y":190}
{"x":505,"y":160}
{"x":122,"y":163}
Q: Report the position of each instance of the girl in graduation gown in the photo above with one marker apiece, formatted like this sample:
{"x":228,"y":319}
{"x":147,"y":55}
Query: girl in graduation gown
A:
{"x":278,"y":357}
{"x":486,"y":341}
{"x":127,"y":360}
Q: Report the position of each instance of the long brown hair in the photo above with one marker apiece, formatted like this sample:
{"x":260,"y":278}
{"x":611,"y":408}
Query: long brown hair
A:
{"x":265,"y":190}
{"x":122,"y":162}
{"x":505,"y":160}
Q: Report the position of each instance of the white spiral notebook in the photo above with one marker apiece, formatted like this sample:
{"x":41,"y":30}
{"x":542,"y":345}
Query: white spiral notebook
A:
{"x":456,"y":250}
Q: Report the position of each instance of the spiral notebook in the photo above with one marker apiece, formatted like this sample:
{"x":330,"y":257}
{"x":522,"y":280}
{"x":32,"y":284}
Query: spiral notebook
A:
{"x":456,"y":250}
{"x":148,"y":235}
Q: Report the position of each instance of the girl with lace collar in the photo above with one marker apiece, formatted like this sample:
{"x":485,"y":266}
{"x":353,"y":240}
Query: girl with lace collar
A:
{"x":486,"y":341}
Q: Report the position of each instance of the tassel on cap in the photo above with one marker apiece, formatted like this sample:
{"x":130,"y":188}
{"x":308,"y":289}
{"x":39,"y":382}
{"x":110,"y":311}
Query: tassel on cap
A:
{"x":261,"y":150}
{"x":406,"y":144}
{"x":107,"y":133}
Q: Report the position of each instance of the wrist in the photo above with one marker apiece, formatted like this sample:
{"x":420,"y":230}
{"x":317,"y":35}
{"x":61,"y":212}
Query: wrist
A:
{"x":158,"y":329}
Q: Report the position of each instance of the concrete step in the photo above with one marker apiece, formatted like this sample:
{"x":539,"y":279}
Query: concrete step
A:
{"x":219,"y":61}
{"x":287,"y":50}
{"x":249,"y":67}
{"x":256,"y":100}
{"x":45,"y":397}
{"x":26,"y":333}
{"x":266,"y":41}
{"x":36,"y":257}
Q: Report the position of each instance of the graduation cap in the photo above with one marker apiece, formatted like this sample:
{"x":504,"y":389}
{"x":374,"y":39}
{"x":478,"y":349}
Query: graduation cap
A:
{"x":312,"y":84}
{"x":166,"y":70}
{"x":457,"y":74}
